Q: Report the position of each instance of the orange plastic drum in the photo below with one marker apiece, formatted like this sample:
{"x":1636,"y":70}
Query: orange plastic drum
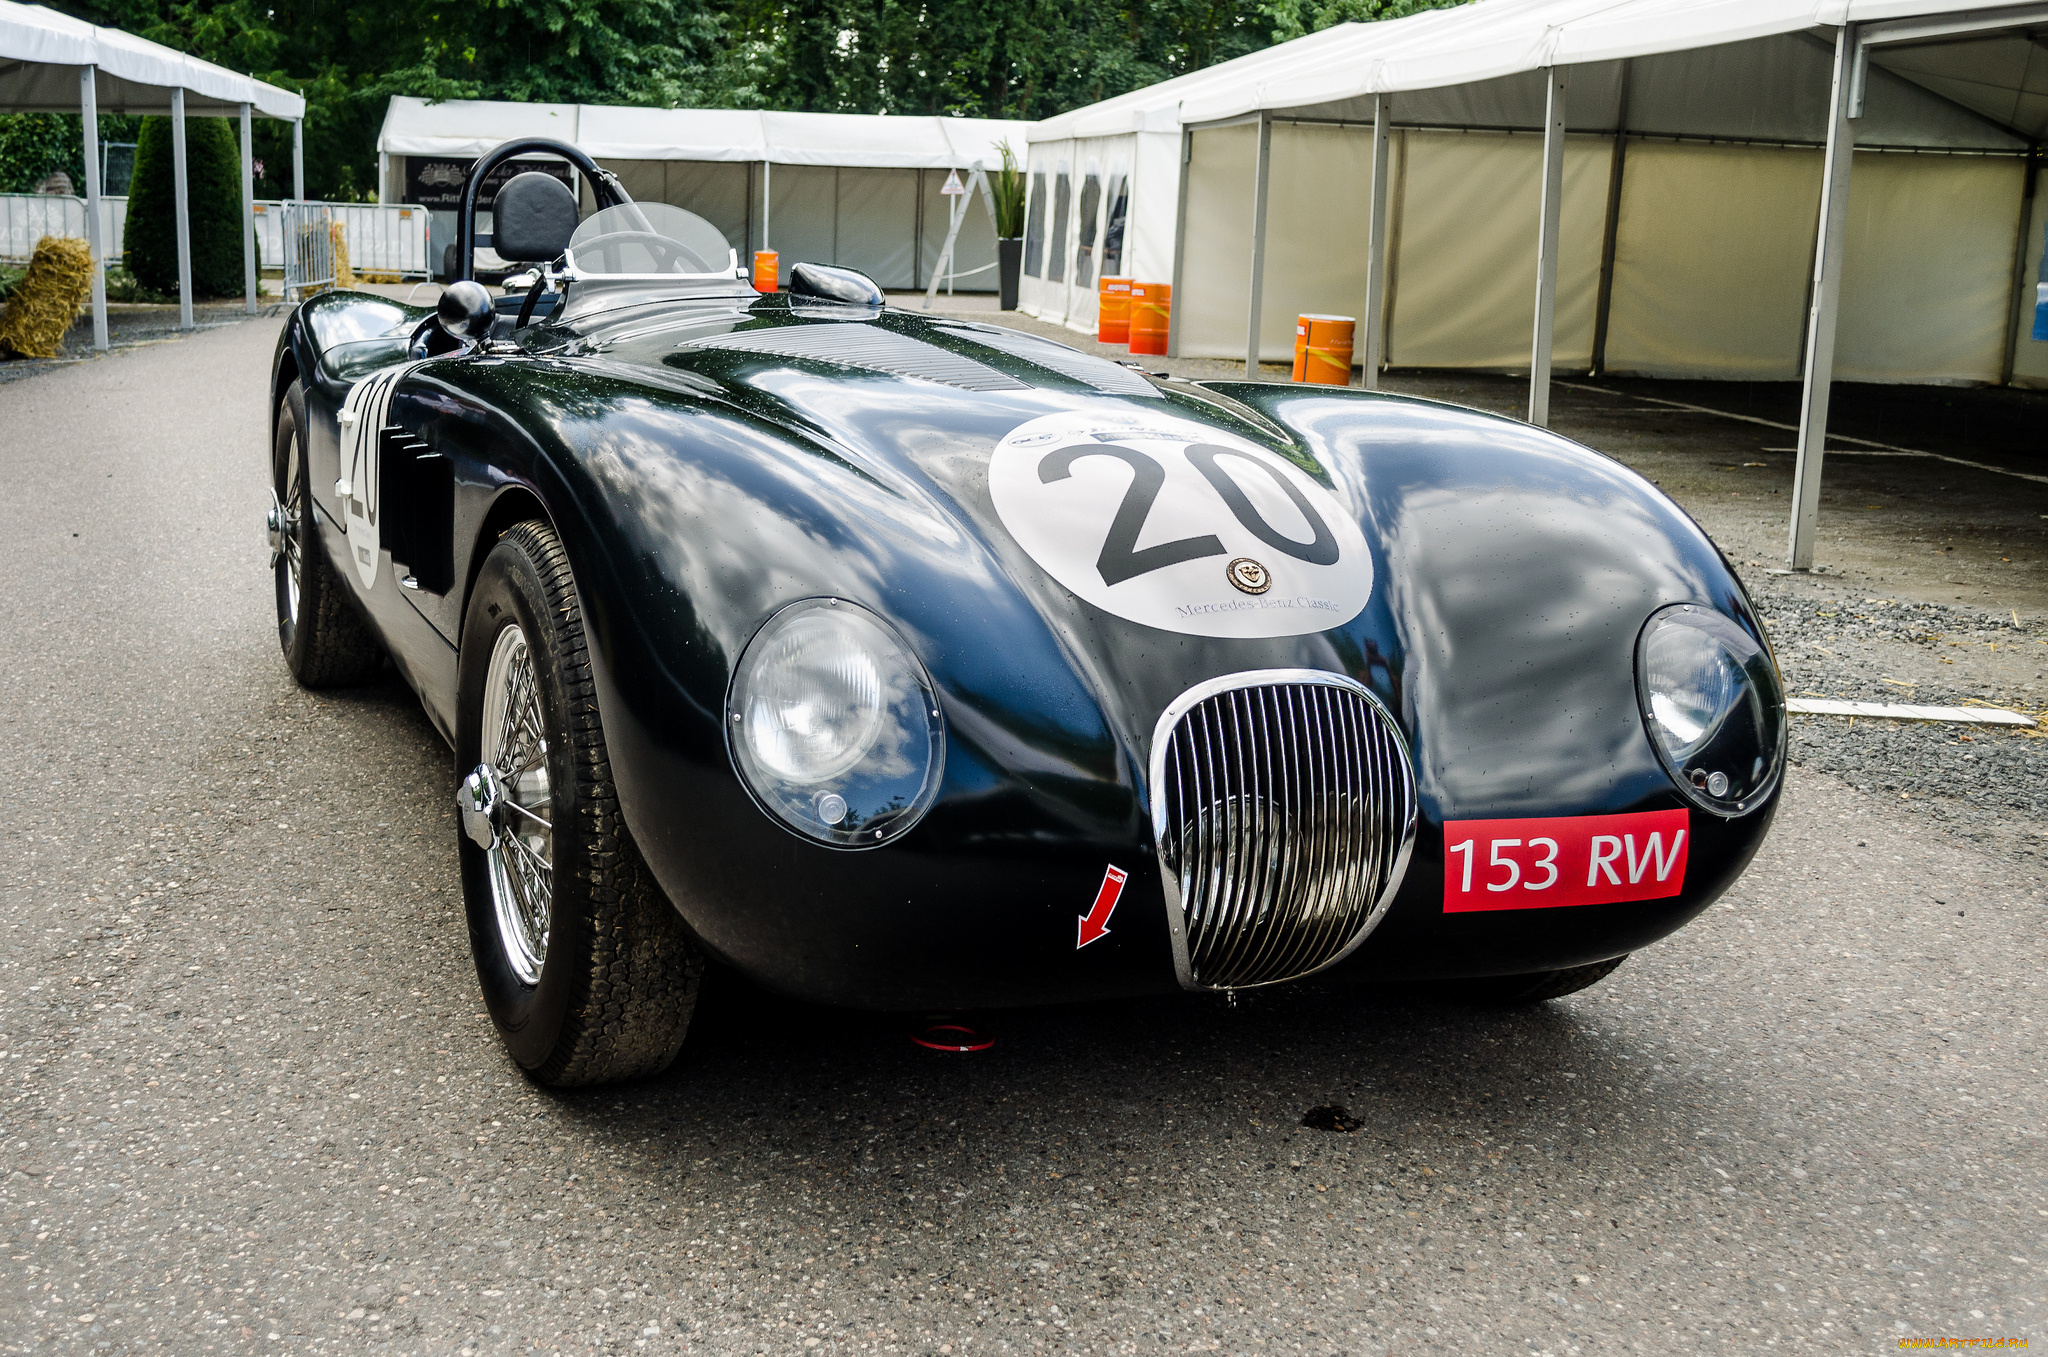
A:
{"x":1151,"y":307}
{"x":1322,"y":349}
{"x":764,"y":270}
{"x":1113,"y":311}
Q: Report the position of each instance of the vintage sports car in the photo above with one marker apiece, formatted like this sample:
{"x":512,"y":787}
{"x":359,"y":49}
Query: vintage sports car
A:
{"x":914,"y":663}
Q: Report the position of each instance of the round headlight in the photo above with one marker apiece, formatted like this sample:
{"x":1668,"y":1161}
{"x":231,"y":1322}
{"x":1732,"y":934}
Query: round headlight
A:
{"x":834,"y":726}
{"x":1713,"y":706}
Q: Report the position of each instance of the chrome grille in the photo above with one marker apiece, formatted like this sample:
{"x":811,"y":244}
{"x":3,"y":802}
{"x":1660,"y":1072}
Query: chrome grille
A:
{"x":1284,"y":808}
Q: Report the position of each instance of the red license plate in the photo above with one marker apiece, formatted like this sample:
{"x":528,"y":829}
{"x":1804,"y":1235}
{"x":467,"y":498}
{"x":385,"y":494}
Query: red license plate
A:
{"x":1572,"y":860}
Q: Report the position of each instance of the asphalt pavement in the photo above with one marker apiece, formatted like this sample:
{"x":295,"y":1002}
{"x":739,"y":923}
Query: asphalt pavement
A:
{"x":250,"y":1101}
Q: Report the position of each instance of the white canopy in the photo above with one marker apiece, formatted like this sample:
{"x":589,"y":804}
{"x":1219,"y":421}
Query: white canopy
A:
{"x":41,"y":51}
{"x":1687,"y":195}
{"x":469,"y":127}
{"x":1991,"y":76}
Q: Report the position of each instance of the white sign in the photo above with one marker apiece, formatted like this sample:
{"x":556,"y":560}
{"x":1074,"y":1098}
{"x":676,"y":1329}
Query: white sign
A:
{"x":953,"y":184}
{"x":1180,"y":526}
{"x":363,"y":414}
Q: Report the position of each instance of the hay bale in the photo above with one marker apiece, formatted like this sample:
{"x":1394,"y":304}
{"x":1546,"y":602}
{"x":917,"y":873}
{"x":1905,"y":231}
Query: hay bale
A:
{"x":48,"y":297}
{"x":344,"y":276}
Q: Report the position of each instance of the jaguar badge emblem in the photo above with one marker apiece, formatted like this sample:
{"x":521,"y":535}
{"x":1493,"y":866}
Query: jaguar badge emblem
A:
{"x":1248,"y":576}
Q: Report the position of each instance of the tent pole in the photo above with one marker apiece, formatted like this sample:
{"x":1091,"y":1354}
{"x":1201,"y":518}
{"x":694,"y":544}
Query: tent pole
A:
{"x":2023,"y":253}
{"x":1180,"y":244}
{"x":249,"y":216}
{"x":1827,"y":294}
{"x":1376,"y":245}
{"x":1261,"y":173}
{"x":181,"y":201}
{"x":299,"y":160}
{"x":767,"y":171}
{"x":1604,"y":304}
{"x":95,"y":225}
{"x":1546,"y":247}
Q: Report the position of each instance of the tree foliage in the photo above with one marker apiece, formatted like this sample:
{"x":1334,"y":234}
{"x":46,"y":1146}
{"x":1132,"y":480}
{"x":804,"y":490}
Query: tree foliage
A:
{"x":980,"y":58}
{"x":213,"y":184}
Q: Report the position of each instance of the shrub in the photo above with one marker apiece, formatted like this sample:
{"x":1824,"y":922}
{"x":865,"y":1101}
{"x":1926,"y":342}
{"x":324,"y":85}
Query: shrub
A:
{"x":214,"y":189}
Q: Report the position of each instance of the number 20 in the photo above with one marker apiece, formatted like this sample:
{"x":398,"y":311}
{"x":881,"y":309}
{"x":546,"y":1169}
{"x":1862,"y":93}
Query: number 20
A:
{"x":1121,"y":560}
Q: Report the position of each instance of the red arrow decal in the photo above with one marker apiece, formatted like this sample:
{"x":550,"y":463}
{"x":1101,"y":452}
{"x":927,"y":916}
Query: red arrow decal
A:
{"x":1095,"y":923}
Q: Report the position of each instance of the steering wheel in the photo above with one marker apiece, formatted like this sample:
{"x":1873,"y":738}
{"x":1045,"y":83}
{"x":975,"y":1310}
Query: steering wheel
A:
{"x":667,"y":251}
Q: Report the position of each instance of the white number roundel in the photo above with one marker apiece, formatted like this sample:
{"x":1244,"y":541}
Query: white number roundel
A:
{"x":1179,"y":526}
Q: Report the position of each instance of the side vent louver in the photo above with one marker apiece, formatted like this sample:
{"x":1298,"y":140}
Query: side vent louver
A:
{"x":869,"y":347}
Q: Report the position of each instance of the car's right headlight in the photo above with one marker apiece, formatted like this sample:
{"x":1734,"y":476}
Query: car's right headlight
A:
{"x":1713,"y":706}
{"x":834,"y":726}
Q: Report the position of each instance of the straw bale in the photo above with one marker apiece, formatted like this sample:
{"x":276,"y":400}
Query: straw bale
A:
{"x":48,"y":298}
{"x":344,"y":276}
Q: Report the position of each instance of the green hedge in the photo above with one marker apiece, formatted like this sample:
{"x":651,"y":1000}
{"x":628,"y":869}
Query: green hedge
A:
{"x":214,"y":188}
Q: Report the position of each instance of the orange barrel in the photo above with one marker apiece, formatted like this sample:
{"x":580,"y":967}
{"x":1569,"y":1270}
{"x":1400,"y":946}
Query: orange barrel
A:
{"x":1322,"y":349}
{"x":1151,"y":307}
{"x":1113,"y":311}
{"x":764,"y":270}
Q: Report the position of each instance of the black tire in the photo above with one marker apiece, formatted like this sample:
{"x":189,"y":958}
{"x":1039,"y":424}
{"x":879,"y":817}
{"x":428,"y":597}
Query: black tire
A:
{"x":1514,"y":990}
{"x":617,"y":975}
{"x":327,"y":642}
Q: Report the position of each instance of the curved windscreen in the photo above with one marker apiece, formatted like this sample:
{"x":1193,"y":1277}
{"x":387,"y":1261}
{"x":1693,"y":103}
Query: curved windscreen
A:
{"x":648,"y":238}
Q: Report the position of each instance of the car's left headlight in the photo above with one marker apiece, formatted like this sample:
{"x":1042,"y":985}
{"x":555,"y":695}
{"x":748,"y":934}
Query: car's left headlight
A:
{"x":834,"y":726}
{"x":1713,"y":705}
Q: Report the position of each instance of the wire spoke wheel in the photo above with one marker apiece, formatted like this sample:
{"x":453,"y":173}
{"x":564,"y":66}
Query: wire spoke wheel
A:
{"x":521,"y":855}
{"x":294,"y":502}
{"x":588,"y":972}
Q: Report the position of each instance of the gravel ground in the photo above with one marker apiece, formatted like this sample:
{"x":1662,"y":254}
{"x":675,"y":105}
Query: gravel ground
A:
{"x":253,"y":1105}
{"x":1986,"y":783}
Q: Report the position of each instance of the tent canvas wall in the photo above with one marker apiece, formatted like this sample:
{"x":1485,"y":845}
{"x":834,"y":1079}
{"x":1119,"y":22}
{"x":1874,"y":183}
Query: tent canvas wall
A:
{"x":853,"y":190}
{"x":1713,"y":215}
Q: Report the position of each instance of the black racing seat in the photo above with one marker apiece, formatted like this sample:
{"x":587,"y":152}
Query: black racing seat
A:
{"x":532,"y":219}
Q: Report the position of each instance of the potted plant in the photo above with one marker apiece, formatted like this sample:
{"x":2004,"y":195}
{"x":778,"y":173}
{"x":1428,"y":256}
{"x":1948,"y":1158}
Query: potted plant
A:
{"x":1007,"y":185}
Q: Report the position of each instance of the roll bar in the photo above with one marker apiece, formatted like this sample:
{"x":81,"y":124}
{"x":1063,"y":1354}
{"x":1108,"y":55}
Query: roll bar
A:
{"x":603,"y":184}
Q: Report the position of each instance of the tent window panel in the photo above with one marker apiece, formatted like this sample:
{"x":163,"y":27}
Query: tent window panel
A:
{"x":974,"y":248}
{"x":878,"y":224}
{"x":803,"y":223}
{"x":1113,"y":234}
{"x":1034,"y":229}
{"x":1711,"y":259}
{"x":718,"y":191}
{"x":1930,"y":238}
{"x":1468,"y":249}
{"x":1084,"y":249}
{"x":1062,"y":208}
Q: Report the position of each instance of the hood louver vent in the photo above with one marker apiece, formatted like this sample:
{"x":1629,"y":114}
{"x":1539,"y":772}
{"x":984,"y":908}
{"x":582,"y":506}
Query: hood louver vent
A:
{"x":870,"y":347}
{"x":1099,"y":373}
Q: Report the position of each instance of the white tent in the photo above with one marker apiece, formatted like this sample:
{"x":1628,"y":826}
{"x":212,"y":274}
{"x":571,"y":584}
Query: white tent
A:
{"x":1682,"y":209}
{"x":53,"y":63}
{"x":1105,"y":183}
{"x":851,"y":189}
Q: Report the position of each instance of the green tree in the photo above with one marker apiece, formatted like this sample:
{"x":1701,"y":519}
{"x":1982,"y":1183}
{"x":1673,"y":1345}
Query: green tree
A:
{"x":35,"y":145}
{"x":214,"y":195}
{"x":985,"y":58}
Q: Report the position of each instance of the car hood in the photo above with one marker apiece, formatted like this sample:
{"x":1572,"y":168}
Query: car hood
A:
{"x":1488,"y":580}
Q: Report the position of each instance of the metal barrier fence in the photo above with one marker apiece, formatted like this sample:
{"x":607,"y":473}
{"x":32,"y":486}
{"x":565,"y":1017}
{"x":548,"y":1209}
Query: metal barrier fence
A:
{"x":26,"y":218}
{"x":306,"y":239}
{"x":380,"y":238}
